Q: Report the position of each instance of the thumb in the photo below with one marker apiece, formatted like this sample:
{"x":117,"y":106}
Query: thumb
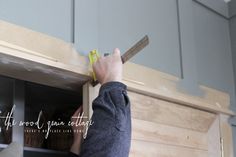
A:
{"x":116,"y":52}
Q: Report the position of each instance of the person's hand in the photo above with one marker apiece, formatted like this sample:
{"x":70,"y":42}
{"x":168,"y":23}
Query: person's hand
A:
{"x":77,"y":131}
{"x":109,"y":68}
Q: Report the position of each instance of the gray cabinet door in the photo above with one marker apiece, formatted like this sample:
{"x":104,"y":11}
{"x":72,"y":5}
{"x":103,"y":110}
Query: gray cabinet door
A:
{"x":233,"y":41}
{"x":213,"y":49}
{"x":105,"y":25}
{"x":53,"y":17}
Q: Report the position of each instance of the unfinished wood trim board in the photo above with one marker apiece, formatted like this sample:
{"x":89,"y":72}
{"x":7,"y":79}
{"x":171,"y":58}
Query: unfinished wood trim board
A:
{"x":39,"y":44}
{"x":36,"y":57}
{"x":226,"y":135}
{"x":164,"y":86}
{"x":89,"y":94}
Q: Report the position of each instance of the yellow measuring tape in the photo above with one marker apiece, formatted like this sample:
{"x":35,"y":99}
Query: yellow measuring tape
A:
{"x":93,"y":57}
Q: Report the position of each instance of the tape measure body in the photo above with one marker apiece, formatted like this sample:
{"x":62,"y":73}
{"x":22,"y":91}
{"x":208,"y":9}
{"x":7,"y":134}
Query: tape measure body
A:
{"x":93,"y":57}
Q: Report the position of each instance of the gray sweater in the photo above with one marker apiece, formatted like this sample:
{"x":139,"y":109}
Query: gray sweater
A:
{"x":110,"y":134}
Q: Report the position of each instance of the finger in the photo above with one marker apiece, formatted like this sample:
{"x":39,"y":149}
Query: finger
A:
{"x":116,"y":52}
{"x":94,"y":65}
{"x":78,"y":111}
{"x":98,"y":60}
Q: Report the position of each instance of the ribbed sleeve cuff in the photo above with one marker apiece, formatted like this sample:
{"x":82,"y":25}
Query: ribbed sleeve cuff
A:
{"x":112,"y":85}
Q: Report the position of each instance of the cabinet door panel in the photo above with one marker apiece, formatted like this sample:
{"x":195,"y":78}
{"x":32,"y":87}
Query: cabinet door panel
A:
{"x":233,"y":40}
{"x":51,"y":17}
{"x":108,"y":24}
{"x":213,"y":53}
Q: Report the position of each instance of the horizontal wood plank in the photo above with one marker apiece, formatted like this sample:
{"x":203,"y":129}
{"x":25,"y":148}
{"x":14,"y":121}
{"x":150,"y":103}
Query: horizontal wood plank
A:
{"x":163,"y":134}
{"x":147,"y":149}
{"x":163,"y":112}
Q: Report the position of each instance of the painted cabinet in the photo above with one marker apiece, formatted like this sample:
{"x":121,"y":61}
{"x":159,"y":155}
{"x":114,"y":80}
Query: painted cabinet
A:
{"x":106,"y":25}
{"x":232,"y":9}
{"x":232,"y":27}
{"x":213,"y":50}
{"x":51,"y":17}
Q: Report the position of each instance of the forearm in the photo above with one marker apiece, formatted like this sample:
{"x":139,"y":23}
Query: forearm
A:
{"x":110,"y":133}
{"x":75,"y":148}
